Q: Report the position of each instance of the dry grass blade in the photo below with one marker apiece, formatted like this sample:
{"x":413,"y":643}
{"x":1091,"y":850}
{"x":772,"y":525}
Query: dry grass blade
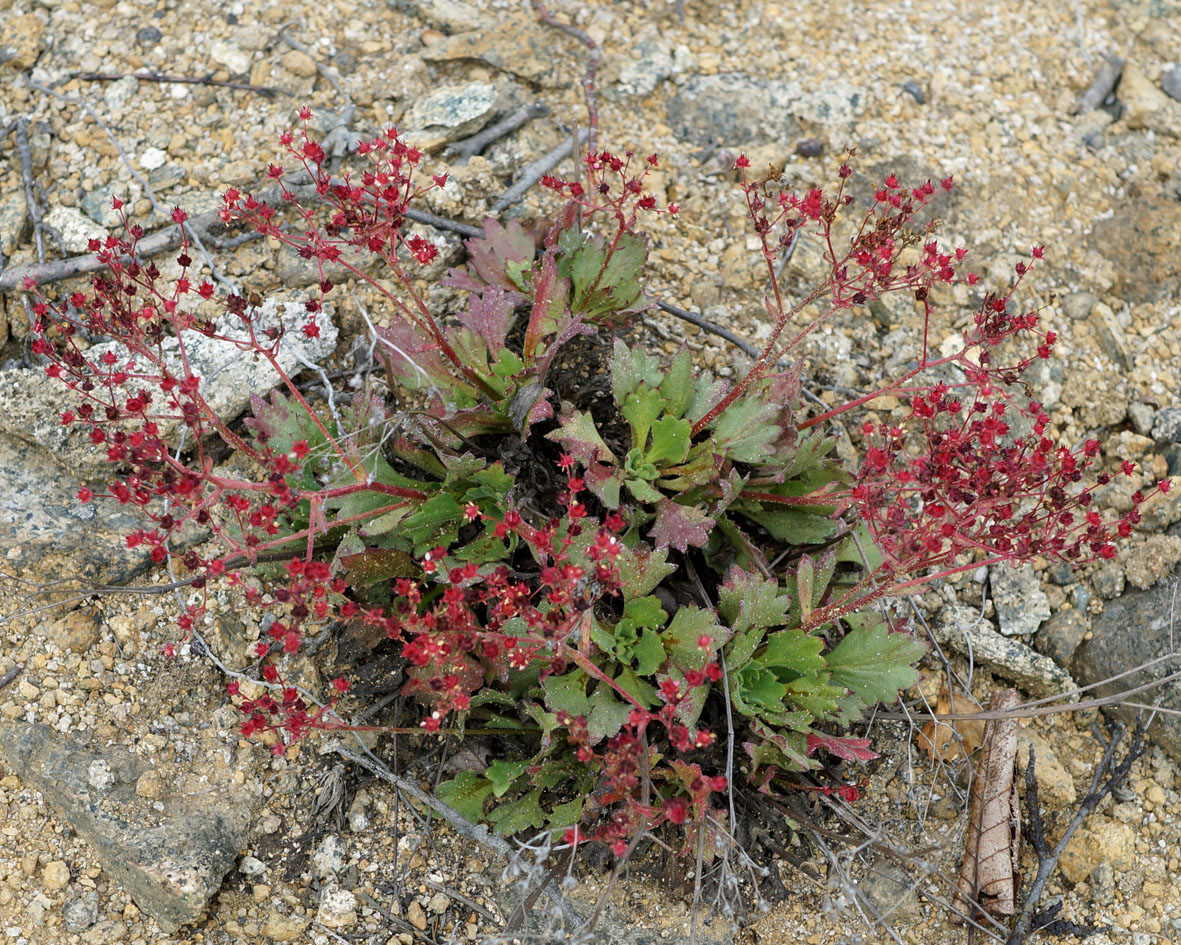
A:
{"x":988,"y":879}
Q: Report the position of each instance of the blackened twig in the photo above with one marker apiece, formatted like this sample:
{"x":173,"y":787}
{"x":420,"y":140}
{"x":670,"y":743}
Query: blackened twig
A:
{"x":10,"y":675}
{"x":594,"y":54}
{"x":538,"y":169}
{"x":1099,"y":789}
{"x":469,"y":147}
{"x":442,"y":223}
{"x":706,"y":325}
{"x":267,"y":90}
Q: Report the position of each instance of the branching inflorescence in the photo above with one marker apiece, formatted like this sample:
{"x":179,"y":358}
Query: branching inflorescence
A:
{"x":614,"y":618}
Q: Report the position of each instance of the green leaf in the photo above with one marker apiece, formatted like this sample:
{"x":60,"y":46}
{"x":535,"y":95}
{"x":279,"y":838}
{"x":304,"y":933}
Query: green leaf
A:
{"x":793,"y":525}
{"x":466,"y":793}
{"x":641,"y":570}
{"x":795,"y":650}
{"x":503,"y":773}
{"x":680,"y":638}
{"x":580,"y":438}
{"x":567,"y":693}
{"x":435,"y":522}
{"x":522,"y":814}
{"x":631,"y":367}
{"x":607,"y":713}
{"x":670,"y":441}
{"x":507,"y":364}
{"x":745,"y":429}
{"x":648,"y":653}
{"x":747,"y":599}
{"x":677,"y":386}
{"x":858,"y":548}
{"x":640,"y":410}
{"x":872,"y":662}
{"x":566,"y":815}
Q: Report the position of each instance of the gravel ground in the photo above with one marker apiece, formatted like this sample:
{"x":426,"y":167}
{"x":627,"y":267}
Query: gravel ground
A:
{"x":984,"y":92}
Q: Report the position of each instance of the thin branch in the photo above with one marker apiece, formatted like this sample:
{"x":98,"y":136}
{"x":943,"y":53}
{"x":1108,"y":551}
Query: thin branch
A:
{"x":267,"y":90}
{"x":532,"y":173}
{"x":32,"y":208}
{"x":468,"y":148}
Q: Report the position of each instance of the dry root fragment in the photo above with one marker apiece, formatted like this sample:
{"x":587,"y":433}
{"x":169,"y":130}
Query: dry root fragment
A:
{"x":989,"y":877}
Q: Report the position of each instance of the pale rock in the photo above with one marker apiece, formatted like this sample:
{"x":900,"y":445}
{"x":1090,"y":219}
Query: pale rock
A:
{"x":233,"y":57}
{"x":153,"y":158}
{"x":449,"y":113}
{"x":338,"y":907}
{"x":76,"y":229}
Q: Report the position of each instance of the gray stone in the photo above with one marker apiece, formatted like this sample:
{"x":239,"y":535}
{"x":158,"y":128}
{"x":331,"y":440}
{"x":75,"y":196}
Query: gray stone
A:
{"x":14,"y":221}
{"x":890,"y":890}
{"x":1101,"y":883}
{"x":148,"y":37}
{"x":1061,"y":635}
{"x":653,"y":60}
{"x":1142,"y":417}
{"x":1166,"y":427}
{"x":1170,"y":83}
{"x":120,"y":93}
{"x":1109,"y":581}
{"x":1078,"y":305}
{"x":46,"y":533}
{"x":97,"y":205}
{"x":449,"y":113}
{"x":1020,"y":603}
{"x":81,"y":913}
{"x":169,"y":861}
{"x":1111,"y":336}
{"x":31,"y":404}
{"x":962,"y":629}
{"x":733,"y":109}
{"x":1133,"y":629}
{"x":330,"y":857}
{"x":75,"y":228}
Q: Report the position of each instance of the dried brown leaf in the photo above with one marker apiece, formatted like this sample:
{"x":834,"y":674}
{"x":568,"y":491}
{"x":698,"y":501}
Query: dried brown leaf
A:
{"x":953,"y":740}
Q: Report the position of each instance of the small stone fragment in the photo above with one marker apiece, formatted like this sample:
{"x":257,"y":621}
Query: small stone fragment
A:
{"x":1171,"y":83}
{"x":1166,"y":427}
{"x":1054,"y":784}
{"x":77,"y":632}
{"x":285,"y":928}
{"x":55,"y":876}
{"x":809,"y":147}
{"x":440,"y":903}
{"x":1061,"y":635}
{"x":81,"y":913}
{"x":299,"y":63}
{"x":329,"y":858}
{"x":1021,"y":605}
{"x":338,"y":907}
{"x":416,"y":916}
{"x":915,"y":91}
{"x":449,"y":113}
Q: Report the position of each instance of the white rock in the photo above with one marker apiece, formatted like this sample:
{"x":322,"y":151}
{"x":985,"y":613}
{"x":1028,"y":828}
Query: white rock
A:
{"x":329,"y":858}
{"x":153,"y":158}
{"x":235,"y":59}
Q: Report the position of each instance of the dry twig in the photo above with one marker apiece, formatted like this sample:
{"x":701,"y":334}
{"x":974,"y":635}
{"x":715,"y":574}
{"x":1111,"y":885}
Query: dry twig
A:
{"x":469,"y":147}
{"x":267,"y":90}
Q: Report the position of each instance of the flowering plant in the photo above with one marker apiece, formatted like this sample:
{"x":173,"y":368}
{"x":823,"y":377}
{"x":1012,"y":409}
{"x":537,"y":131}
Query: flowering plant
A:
{"x":649,"y":585}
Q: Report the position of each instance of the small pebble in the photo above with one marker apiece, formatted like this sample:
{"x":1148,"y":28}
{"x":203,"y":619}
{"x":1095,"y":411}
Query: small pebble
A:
{"x":915,"y":91}
{"x":55,"y":876}
{"x":148,"y":37}
{"x":809,"y":147}
{"x":416,"y":916}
